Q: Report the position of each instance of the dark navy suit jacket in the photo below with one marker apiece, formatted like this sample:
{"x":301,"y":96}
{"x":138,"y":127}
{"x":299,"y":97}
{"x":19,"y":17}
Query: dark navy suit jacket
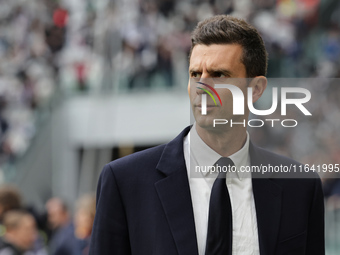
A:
{"x":144,"y":206}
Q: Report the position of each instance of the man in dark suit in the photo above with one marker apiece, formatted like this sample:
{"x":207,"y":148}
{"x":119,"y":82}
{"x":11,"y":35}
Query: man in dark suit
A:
{"x":152,"y":203}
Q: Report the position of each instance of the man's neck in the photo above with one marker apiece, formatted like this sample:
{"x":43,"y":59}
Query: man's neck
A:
{"x":13,"y":242}
{"x":224,"y":143}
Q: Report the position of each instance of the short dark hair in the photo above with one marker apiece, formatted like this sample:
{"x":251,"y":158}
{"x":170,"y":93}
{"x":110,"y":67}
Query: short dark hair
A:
{"x":10,"y":198}
{"x":225,"y":29}
{"x":12,"y":219}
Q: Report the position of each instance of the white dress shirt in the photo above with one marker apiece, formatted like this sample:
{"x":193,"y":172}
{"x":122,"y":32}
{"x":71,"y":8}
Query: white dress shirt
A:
{"x":197,"y":153}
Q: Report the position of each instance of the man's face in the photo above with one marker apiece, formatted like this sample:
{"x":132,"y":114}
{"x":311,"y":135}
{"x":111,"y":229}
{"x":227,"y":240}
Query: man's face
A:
{"x":26,"y":233}
{"x":57,"y":216}
{"x":221,"y":61}
{"x":83,"y":221}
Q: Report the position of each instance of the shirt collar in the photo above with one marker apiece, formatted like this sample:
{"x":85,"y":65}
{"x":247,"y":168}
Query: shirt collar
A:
{"x":206,"y":156}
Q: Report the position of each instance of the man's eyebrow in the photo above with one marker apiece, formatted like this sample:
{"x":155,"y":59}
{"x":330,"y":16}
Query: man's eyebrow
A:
{"x":220,"y":70}
{"x":193,"y":70}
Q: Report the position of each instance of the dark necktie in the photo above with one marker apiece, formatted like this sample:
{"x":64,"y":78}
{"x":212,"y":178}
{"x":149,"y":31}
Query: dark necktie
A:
{"x":219,"y":236}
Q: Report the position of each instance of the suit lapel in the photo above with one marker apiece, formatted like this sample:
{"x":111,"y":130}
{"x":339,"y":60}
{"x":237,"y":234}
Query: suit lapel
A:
{"x":174,"y":194}
{"x":267,"y":196}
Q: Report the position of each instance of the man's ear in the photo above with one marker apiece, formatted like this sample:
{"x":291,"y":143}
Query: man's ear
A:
{"x":259,"y":84}
{"x":189,"y":87}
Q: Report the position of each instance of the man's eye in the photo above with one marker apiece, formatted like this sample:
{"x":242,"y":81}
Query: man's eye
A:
{"x":219,"y":75}
{"x":195,"y":75}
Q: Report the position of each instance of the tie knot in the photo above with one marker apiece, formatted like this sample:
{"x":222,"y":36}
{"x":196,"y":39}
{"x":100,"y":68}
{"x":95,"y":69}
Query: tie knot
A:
{"x":223,"y":166}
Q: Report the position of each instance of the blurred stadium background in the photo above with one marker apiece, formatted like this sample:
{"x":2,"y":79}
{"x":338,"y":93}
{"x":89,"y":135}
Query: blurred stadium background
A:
{"x":83,"y":82}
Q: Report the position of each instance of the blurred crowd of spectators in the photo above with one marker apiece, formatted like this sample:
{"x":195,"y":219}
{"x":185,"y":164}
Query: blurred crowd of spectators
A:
{"x":30,"y":37}
{"x":54,"y":231}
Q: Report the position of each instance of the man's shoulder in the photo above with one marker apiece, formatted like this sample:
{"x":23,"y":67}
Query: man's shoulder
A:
{"x":148,"y":159}
{"x":141,"y":159}
{"x":6,"y":248}
{"x":275,"y":157}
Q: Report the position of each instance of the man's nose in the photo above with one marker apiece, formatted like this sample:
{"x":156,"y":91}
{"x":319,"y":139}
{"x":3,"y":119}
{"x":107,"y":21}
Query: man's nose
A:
{"x":205,"y":75}
{"x":204,"y":84}
{"x":200,"y":88}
